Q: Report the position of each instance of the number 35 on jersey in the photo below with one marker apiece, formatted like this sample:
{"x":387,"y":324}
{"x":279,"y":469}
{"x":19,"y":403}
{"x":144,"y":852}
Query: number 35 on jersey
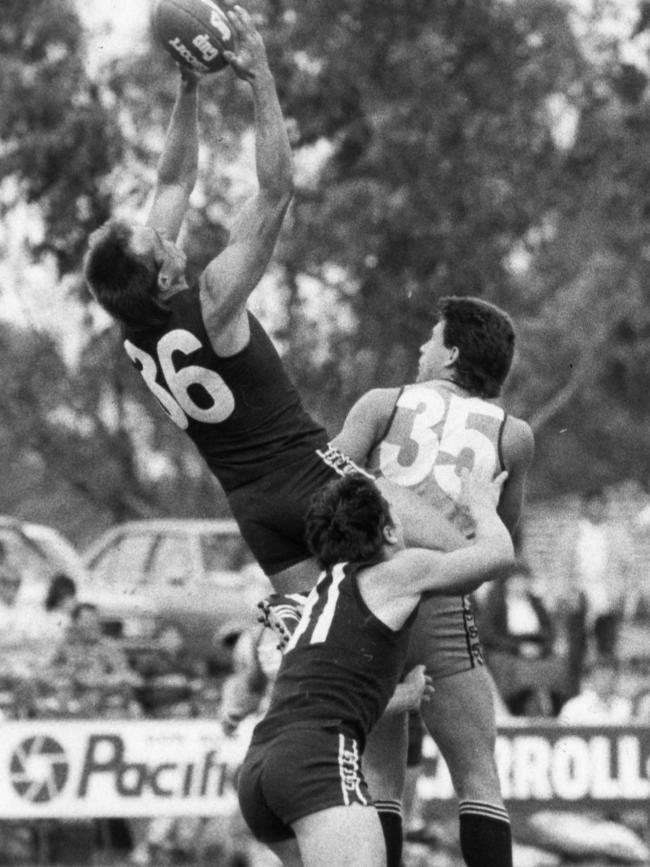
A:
{"x":434,"y":434}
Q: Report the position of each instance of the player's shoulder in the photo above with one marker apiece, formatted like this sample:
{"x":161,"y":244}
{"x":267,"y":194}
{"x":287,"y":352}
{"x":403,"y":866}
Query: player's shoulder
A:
{"x":517,"y":441}
{"x":382,"y":397}
{"x":376,"y":402}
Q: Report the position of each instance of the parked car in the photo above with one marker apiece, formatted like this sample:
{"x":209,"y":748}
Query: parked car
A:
{"x":195,"y":576}
{"x":39,"y":552}
{"x":36,"y":553}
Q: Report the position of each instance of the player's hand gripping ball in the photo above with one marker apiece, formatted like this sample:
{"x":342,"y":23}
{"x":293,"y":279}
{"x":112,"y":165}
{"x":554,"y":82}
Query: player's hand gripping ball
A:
{"x":194,"y":32}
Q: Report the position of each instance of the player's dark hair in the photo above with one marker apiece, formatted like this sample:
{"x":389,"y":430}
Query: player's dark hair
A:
{"x":123,"y":283}
{"x":346,"y":520}
{"x":485,"y":339}
{"x":61,"y":587}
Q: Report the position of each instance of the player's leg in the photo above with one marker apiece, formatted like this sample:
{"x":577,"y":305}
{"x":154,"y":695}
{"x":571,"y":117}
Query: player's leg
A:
{"x":299,"y":578}
{"x":460,"y":718}
{"x":347,"y":836}
{"x":288,"y":853}
{"x":384,"y":768}
{"x":411,"y":808}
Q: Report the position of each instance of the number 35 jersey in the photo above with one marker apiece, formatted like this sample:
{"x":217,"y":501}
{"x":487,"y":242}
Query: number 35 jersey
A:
{"x":437,"y":429}
{"x":242,"y":411}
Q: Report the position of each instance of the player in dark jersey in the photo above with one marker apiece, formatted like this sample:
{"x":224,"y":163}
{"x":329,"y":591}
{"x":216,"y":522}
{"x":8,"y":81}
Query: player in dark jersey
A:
{"x":302,"y":777}
{"x":206,"y":358}
{"x":420,"y":436}
{"x":204,"y":355}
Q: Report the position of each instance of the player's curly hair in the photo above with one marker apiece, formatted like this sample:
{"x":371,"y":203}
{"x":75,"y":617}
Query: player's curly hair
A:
{"x":485,"y":338}
{"x":346,"y":520}
{"x":122,"y":282}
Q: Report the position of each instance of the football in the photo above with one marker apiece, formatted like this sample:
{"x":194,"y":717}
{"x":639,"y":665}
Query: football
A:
{"x":194,"y":32}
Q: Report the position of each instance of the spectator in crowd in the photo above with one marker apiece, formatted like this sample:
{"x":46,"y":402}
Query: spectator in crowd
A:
{"x":599,"y":575}
{"x":514,"y":618}
{"x":600,"y":701}
{"x":60,"y":598}
{"x":171,"y":677}
{"x":516,"y":632}
{"x":10,"y":581}
{"x":92,"y":673}
{"x":15,"y":686}
{"x":96,"y":666}
{"x":615,"y":835}
{"x":36,"y":631}
{"x":58,"y":605}
{"x":15,"y":660}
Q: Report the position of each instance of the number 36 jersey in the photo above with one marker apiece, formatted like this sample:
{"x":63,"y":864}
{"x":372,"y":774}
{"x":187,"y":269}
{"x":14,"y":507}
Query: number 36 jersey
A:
{"x":437,"y":429}
{"x":242,"y":411}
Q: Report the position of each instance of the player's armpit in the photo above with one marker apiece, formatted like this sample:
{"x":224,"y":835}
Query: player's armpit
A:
{"x":366,"y":424}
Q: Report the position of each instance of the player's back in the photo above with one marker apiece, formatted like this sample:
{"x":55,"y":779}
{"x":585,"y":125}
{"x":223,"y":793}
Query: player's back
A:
{"x":436,"y":429}
{"x":342,"y":664}
{"x":242,"y":411}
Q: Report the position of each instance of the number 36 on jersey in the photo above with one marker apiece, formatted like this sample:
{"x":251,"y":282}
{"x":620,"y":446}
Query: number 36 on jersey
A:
{"x":185,"y":385}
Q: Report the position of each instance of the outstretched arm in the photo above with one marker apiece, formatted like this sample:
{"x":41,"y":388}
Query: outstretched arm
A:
{"x":231,"y":277}
{"x":178,"y":165}
{"x":486,"y":558}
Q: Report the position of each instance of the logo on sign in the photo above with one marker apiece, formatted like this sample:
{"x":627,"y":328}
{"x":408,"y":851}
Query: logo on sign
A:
{"x":39,"y":769}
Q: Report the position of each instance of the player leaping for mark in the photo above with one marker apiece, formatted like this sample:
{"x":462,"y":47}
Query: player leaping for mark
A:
{"x":205,"y":357}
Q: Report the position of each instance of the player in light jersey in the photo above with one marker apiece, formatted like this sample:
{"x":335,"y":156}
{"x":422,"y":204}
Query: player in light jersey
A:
{"x":421,"y":436}
{"x":301,"y":777}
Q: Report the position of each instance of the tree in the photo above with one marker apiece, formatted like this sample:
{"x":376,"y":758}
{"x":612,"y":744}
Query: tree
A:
{"x":427,"y":155}
{"x":58,"y":138}
{"x":441,"y":159}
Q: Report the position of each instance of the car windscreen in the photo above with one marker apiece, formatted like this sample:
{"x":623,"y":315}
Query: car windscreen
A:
{"x":170,"y":562}
{"x":123,"y":560}
{"x":224,"y":553}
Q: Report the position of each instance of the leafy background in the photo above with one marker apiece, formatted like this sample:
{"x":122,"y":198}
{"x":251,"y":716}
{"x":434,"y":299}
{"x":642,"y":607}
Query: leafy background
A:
{"x":464,"y":146}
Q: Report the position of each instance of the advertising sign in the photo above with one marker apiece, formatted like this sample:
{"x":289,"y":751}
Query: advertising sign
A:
{"x":566,"y":767}
{"x":102,"y":768}
{"x":98,"y":768}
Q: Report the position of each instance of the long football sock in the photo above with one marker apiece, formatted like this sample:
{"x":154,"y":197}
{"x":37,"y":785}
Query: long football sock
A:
{"x":390,"y":816}
{"x":485,"y":837}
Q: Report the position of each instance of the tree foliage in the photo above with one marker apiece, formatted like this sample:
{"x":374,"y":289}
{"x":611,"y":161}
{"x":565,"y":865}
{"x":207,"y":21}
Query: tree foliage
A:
{"x":429,"y":163}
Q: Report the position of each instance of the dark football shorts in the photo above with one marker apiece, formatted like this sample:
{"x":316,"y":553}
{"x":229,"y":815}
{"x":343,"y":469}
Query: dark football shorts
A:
{"x":271,"y":510}
{"x":444,"y":637}
{"x":302,"y":770}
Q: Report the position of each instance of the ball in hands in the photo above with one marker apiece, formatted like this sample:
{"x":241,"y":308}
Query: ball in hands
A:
{"x":194,"y":32}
